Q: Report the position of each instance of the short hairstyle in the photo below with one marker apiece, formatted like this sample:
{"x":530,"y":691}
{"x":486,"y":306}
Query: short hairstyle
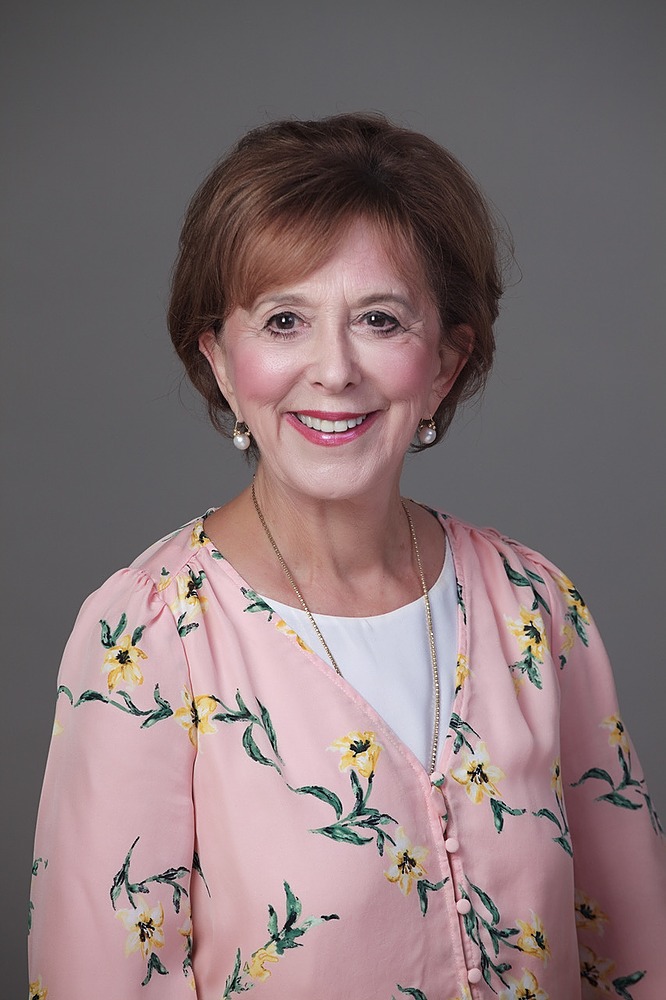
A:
{"x":276,"y":206}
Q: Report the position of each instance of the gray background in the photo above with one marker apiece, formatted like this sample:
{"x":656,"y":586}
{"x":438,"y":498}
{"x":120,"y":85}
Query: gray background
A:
{"x":113,"y":113}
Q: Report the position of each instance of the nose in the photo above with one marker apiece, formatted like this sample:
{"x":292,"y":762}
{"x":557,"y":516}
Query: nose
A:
{"x":334,"y":364}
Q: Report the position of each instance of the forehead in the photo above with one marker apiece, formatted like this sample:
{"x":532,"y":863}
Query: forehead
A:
{"x":358,"y":250}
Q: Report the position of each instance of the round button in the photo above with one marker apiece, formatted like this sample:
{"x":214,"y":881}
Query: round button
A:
{"x":451,"y":844}
{"x":474,"y":975}
{"x":437,"y":778}
{"x":463,"y":906}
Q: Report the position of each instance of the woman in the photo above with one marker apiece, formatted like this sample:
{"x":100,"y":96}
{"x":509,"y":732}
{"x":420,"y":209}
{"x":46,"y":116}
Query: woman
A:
{"x":327,"y":742}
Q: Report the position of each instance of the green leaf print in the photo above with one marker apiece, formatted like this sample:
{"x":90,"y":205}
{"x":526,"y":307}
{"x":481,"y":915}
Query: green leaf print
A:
{"x":150,"y":716}
{"x":262,"y":721}
{"x":280,"y":940}
{"x":35,"y":871}
{"x":487,"y":934}
{"x":144,"y":919}
{"x":257,"y":604}
{"x":324,"y":794}
{"x":362,"y":823}
{"x":499,"y":808}
{"x":620,"y":984}
{"x":411,"y":991}
{"x":110,"y":638}
{"x":629,"y":792}
{"x":423,"y":887}
{"x":154,"y":965}
{"x":461,"y":730}
{"x":562,"y":838}
{"x":527,"y":579}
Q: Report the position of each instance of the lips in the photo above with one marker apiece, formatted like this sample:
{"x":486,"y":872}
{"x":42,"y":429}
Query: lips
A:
{"x":328,"y":426}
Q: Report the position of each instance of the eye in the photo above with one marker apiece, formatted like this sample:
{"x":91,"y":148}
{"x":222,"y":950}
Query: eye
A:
{"x":381,"y":321}
{"x":282,"y":323}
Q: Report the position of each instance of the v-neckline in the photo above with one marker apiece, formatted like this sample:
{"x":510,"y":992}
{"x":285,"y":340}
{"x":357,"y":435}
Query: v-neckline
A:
{"x":324,"y":667}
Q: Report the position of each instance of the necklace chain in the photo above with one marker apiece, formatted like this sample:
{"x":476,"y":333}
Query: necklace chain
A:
{"x":315,"y":626}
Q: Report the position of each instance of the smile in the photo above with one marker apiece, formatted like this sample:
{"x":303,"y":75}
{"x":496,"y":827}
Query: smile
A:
{"x":330,"y":426}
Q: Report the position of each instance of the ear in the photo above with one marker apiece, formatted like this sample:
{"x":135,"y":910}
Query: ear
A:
{"x":453,"y":358}
{"x":212,"y":347}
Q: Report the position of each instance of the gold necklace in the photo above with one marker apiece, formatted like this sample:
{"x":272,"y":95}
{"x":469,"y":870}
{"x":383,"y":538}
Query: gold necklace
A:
{"x":426,"y":601}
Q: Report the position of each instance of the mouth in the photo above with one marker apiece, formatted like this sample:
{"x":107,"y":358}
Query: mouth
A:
{"x":331,"y":426}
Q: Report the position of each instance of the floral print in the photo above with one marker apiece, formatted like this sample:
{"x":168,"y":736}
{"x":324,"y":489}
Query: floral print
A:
{"x":145,"y":926}
{"x":525,"y":988}
{"x":589,"y":915}
{"x":195,"y":715}
{"x":530,"y":632}
{"x":358,"y":750}
{"x":247,"y":753}
{"x":406,"y":862}
{"x":121,"y":663}
{"x":478,"y":776}
{"x":532,"y":939}
{"x":36,"y":991}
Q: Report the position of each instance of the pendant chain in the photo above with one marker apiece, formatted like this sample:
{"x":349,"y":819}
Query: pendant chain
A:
{"x":317,"y":630}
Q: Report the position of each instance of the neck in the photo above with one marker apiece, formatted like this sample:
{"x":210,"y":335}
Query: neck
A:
{"x":341,"y":539}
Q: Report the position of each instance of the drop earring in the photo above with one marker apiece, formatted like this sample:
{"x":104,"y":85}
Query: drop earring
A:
{"x":241,"y":436}
{"x":427,"y":431}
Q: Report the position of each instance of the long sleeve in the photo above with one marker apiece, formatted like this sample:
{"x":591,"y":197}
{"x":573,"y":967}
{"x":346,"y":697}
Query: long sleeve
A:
{"x":614,"y":832}
{"x":114,"y":847}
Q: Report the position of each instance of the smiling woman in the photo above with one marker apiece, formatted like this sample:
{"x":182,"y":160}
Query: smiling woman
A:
{"x":323,"y":740}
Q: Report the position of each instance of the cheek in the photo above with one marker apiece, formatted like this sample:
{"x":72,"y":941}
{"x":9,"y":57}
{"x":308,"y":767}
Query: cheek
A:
{"x":410,"y":374}
{"x":261,"y":376}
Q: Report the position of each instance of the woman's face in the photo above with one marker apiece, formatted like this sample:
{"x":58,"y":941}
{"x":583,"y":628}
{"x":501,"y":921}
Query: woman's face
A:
{"x":333,"y":373}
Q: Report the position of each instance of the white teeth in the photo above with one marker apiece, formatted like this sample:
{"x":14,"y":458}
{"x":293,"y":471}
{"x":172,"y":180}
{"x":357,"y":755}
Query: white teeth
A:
{"x":330,"y":426}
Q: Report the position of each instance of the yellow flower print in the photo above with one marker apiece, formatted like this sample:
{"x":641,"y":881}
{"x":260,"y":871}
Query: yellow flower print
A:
{"x":618,"y":734}
{"x":532,"y":939}
{"x":195,"y":715}
{"x":36,"y":991}
{"x":574,"y":600}
{"x":198,"y":538}
{"x":462,"y":671}
{"x":596,"y":971}
{"x":589,"y":915}
{"x":188,"y":599}
{"x":122,"y":664}
{"x":358,"y":750}
{"x":556,"y":778}
{"x":256,"y":966}
{"x":407,"y":867}
{"x":526,"y":988}
{"x":186,"y":930}
{"x":568,"y":637}
{"x":165,"y":579}
{"x":146,"y":930}
{"x":57,"y":728}
{"x":282,"y":626}
{"x":477,"y":774}
{"x":530,"y":632}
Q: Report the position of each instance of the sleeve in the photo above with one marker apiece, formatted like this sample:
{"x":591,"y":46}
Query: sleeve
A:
{"x":618,"y":845}
{"x":114,"y":848}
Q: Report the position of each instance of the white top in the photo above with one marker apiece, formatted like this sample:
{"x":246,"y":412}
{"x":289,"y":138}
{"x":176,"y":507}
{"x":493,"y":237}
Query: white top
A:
{"x":387,"y":658}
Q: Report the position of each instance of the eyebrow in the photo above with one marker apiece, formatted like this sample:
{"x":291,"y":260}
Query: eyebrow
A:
{"x":365,"y":300}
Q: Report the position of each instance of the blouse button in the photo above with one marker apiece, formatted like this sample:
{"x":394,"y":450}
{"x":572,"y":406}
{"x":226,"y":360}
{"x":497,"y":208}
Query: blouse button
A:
{"x":451,"y":844}
{"x":474,"y":975}
{"x":463,"y":906}
{"x":437,"y":779}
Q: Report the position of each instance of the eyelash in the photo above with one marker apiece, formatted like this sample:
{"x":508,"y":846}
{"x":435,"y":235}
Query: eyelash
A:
{"x":393,"y":323}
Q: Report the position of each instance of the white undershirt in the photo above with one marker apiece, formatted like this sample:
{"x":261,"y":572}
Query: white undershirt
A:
{"x":387,"y":658}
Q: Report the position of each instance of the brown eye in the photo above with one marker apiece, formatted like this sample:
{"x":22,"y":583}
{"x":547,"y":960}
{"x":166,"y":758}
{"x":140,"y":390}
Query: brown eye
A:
{"x":282,"y":322}
{"x":381,"y":321}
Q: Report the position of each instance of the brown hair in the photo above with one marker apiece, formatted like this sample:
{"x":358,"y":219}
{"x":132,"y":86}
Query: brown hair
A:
{"x":274,"y":208}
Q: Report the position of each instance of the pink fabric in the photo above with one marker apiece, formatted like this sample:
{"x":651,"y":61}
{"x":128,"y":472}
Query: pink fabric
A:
{"x":294,"y":845}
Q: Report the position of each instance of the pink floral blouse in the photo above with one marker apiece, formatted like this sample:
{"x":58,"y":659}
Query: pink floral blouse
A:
{"x":222,"y":813}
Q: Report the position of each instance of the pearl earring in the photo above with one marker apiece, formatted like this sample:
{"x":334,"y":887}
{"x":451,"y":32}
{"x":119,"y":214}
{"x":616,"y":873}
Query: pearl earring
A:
{"x":426,"y":431}
{"x":241,"y":436}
